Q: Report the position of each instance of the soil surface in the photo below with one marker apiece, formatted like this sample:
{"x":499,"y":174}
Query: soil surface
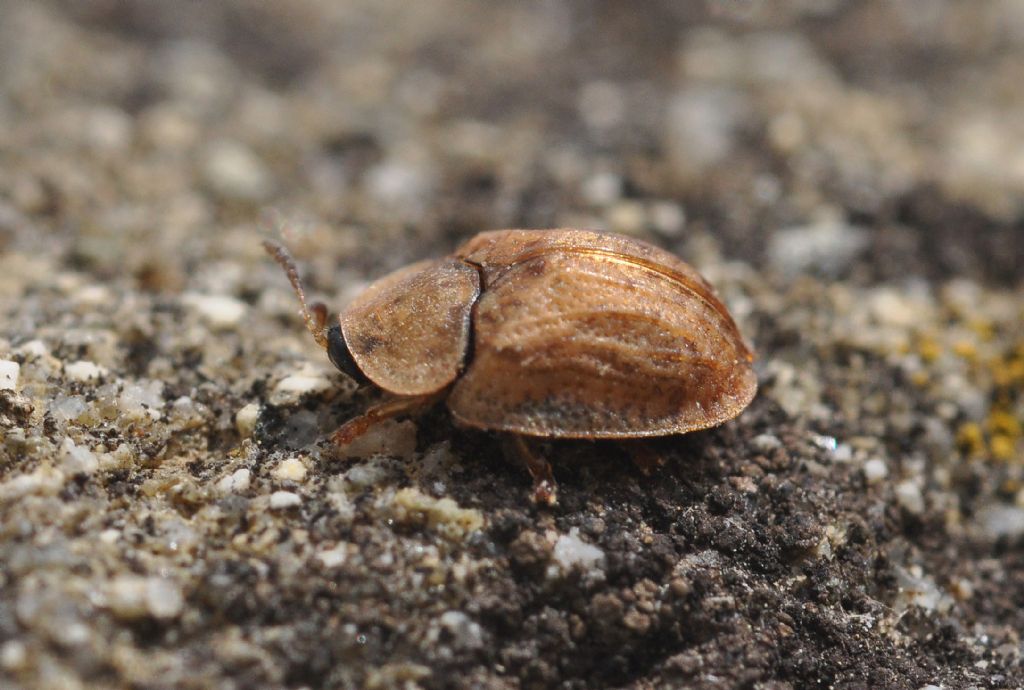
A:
{"x":849,"y":175}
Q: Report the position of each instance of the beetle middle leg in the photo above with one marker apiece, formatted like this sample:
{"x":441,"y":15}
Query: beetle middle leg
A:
{"x":544,"y":489}
{"x":389,"y":409}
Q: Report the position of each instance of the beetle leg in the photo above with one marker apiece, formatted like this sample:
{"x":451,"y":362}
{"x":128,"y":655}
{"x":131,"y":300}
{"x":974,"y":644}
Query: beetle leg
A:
{"x":396,"y":407}
{"x":643,"y":456}
{"x":544,"y":489}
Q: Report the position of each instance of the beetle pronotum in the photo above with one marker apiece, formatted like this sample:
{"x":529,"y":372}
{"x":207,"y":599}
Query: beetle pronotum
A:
{"x":542,"y":333}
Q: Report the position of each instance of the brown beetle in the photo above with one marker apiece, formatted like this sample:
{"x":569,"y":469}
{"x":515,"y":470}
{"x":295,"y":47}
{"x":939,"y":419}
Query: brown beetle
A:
{"x":543,"y":333}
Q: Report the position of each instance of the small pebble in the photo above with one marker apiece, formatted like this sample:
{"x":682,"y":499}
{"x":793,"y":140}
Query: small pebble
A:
{"x":163,"y":598}
{"x":234,"y":172}
{"x":13,"y":656}
{"x":219,"y":311}
{"x":764,"y":443}
{"x":908,"y":495}
{"x":1000,"y":520}
{"x":9,"y":375}
{"x":444,"y":514}
{"x":627,"y":217}
{"x":280,"y":500}
{"x":291,"y":469}
{"x":826,"y":247}
{"x":668,"y":218}
{"x":142,"y":399}
{"x":464,"y":632}
{"x":391,"y":438}
{"x":333,"y":557}
{"x":602,"y":189}
{"x":875,"y":470}
{"x":570,"y":551}
{"x":236,"y":482}
{"x":246,"y":419}
{"x":291,"y":389}
{"x":131,"y":596}
{"x":84,"y":371}
{"x":78,"y":459}
{"x":43,"y":480}
{"x":33,"y":349}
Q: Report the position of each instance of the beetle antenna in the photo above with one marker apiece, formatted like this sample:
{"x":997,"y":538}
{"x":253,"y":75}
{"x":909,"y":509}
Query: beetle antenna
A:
{"x":315,"y":315}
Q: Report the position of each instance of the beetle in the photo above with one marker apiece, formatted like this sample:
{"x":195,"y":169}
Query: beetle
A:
{"x":542,"y":334}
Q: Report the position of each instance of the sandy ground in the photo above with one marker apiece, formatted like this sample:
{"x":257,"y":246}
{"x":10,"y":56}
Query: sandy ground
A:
{"x":850,"y":176}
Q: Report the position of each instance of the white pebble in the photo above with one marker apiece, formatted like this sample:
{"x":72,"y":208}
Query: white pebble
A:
{"x":131,"y":596}
{"x":764,"y":443}
{"x":246,"y":419}
{"x":1000,"y":520}
{"x":219,"y":311}
{"x":875,"y":470}
{"x":78,"y":459}
{"x":9,"y":375}
{"x":163,"y":598}
{"x":291,"y":389}
{"x":126,"y":596}
{"x":141,"y":399}
{"x":826,"y":247}
{"x":13,"y":656}
{"x":291,"y":469}
{"x":668,"y":218}
{"x":236,"y":482}
{"x":233,"y":171}
{"x":33,"y":349}
{"x":280,"y":500}
{"x":84,"y":371}
{"x":572,"y":551}
{"x":399,"y":186}
{"x":909,"y":496}
{"x":464,"y":632}
{"x":602,"y":189}
{"x":391,"y":438}
{"x":370,"y":473}
{"x":843,"y":453}
{"x":43,"y":480}
{"x":627,"y":217}
{"x":333,"y":557}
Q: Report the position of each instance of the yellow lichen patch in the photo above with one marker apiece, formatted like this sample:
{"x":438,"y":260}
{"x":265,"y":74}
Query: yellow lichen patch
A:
{"x":1001,"y":422}
{"x":970,"y":439}
{"x":965,"y":349}
{"x":442,"y":514}
{"x":1005,"y":433}
{"x":1003,"y":447}
{"x":985,"y":329}
{"x":1008,"y":371}
{"x":929,"y":348}
{"x":920,"y":378}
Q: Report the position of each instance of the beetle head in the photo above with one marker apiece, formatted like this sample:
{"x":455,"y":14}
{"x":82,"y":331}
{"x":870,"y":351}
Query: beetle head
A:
{"x":341,"y":357}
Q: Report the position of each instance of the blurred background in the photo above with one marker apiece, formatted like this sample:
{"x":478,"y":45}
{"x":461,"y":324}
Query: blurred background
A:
{"x":889,"y":134}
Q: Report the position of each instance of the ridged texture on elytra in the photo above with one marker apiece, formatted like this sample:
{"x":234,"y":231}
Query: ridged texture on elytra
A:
{"x":579,"y":334}
{"x":409,"y":331}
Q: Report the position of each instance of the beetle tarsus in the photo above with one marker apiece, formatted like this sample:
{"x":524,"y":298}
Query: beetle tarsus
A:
{"x":545,"y":491}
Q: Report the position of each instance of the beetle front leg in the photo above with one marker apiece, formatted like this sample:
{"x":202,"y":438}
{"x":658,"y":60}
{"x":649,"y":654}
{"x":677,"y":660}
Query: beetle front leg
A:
{"x":389,"y":409}
{"x":544,"y":489}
